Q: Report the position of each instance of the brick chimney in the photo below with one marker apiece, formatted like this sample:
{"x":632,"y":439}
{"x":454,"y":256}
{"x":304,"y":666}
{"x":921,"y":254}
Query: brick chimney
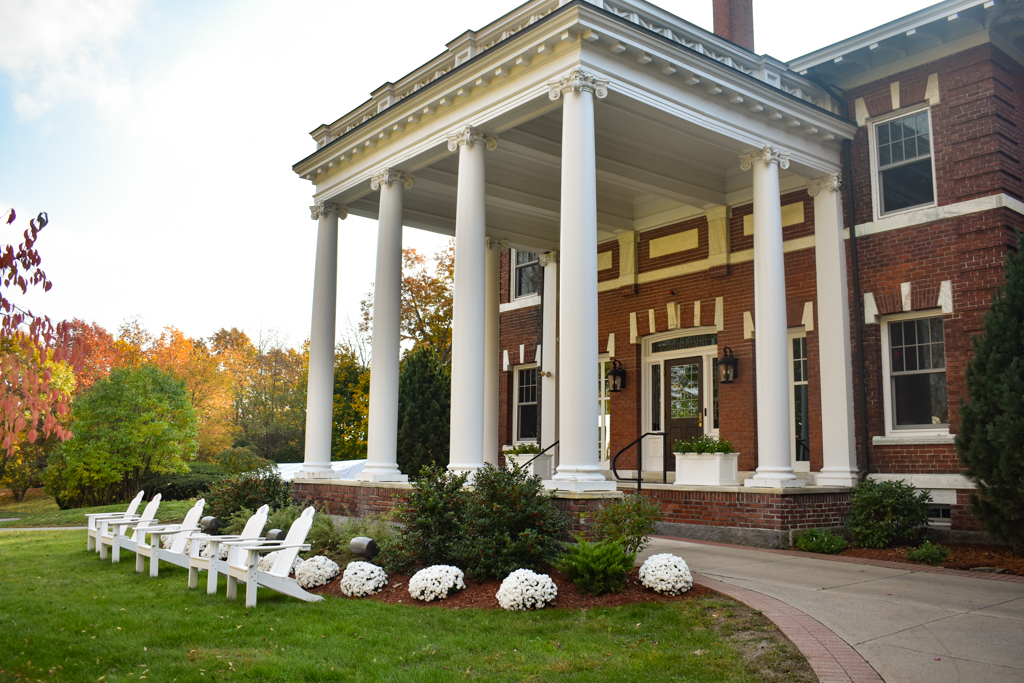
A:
{"x":734,"y":21}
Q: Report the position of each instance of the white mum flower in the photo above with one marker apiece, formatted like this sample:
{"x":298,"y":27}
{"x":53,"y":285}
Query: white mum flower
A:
{"x":316,"y":571}
{"x":436,"y":583}
{"x":525,"y":590}
{"x":666,"y":573}
{"x":362,"y":579}
{"x":267,"y":562}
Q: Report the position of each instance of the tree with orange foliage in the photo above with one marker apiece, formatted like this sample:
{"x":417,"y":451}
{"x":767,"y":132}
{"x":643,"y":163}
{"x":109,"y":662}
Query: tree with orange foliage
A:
{"x":427,"y":296}
{"x":29,"y":404}
{"x":96,"y":346}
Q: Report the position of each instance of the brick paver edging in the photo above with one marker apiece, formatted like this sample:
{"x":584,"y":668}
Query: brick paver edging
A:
{"x":832,"y":658}
{"x":860,"y":560}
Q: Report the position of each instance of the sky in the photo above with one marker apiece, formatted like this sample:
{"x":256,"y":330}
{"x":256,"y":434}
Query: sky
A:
{"x":159,"y":136}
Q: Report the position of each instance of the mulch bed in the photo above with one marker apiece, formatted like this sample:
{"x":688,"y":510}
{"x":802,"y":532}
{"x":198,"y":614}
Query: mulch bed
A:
{"x":963,"y":556}
{"x":480,"y":594}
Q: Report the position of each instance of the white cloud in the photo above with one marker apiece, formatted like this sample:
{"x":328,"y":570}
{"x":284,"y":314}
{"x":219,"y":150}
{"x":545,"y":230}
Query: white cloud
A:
{"x":65,"y":49}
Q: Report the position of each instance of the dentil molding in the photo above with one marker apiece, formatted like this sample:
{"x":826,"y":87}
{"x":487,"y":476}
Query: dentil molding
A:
{"x":830,"y":183}
{"x":388,"y":176}
{"x":767,"y":155}
{"x":321,"y":209}
{"x":578,"y":80}
{"x":468,"y":135}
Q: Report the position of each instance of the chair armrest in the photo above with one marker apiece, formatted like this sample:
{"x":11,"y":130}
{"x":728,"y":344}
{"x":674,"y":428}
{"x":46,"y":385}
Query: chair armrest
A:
{"x":238,"y":540}
{"x":131,"y":524}
{"x":98,"y":516}
{"x":275,"y":546}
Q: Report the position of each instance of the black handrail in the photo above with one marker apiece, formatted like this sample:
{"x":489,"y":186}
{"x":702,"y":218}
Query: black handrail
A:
{"x":639,"y":459}
{"x":527,"y":463}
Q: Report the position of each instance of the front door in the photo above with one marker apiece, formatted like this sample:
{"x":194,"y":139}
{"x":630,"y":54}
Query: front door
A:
{"x":684,"y":404}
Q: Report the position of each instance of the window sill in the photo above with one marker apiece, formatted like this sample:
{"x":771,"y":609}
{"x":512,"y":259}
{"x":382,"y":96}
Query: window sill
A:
{"x":913,"y":439}
{"x":524,"y":302}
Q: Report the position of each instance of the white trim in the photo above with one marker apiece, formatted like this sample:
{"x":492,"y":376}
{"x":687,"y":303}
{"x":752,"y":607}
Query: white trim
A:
{"x":912,"y":434}
{"x":876,"y":197}
{"x":914,"y":439}
{"x":796,"y":333}
{"x":928,"y":481}
{"x":522,"y":302}
{"x":604,"y":417}
{"x":914,"y":217}
{"x":515,"y":403}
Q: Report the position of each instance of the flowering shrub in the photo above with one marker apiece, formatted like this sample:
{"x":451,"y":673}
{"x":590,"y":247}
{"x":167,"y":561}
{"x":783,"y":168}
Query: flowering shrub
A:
{"x":246,"y":490}
{"x":666,"y":573}
{"x":524,"y":589}
{"x":267,"y":562}
{"x":316,"y":571}
{"x":436,"y":583}
{"x":362,"y":579}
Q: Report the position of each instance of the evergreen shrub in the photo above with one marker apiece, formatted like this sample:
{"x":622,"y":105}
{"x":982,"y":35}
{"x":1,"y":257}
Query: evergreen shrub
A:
{"x":431,"y":515}
{"x":929,"y":553}
{"x":192,"y":484}
{"x":886,"y":512}
{"x":628,"y":521}
{"x":597,"y":568}
{"x":424,"y":411}
{"x":247,"y":490}
{"x":821,"y":541}
{"x":990,"y":441}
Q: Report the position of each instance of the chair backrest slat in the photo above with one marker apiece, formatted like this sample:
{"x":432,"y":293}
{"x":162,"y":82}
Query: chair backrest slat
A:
{"x":191,"y":520}
{"x":297,"y":535}
{"x":253,"y":529}
{"x":134,"y":505}
{"x":147,"y":516}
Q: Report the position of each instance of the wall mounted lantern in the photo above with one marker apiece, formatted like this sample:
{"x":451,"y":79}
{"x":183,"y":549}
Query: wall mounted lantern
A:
{"x":616,"y":377}
{"x":727,"y":367}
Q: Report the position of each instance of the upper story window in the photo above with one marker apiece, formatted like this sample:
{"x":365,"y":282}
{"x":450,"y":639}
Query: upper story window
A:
{"x":526,"y":275}
{"x":903,"y":148}
{"x":917,"y":396}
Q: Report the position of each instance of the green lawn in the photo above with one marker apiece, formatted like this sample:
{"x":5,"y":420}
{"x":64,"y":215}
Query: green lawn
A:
{"x":39,"y":510}
{"x":68,"y":616}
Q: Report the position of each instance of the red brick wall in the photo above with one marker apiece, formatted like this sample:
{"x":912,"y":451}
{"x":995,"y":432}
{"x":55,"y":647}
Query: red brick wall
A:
{"x":348,"y":501}
{"x":780,"y":512}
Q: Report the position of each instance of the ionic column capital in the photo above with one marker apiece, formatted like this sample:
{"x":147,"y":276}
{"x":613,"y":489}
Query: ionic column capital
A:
{"x":767,"y":155}
{"x":320,"y":209}
{"x":497,"y":244}
{"x":389,"y":176}
{"x":468,"y":135}
{"x":830,"y":183}
{"x":548,"y":258}
{"x":578,"y":80}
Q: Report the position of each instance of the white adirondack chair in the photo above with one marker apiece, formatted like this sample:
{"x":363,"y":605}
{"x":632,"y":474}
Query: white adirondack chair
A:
{"x":116,"y":538}
{"x":246,"y":568}
{"x":251,"y":532}
{"x":180,"y":534}
{"x":97,"y":521}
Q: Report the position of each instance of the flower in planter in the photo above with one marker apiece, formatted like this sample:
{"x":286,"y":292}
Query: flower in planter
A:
{"x":666,"y":573}
{"x":436,"y":582}
{"x":524,"y":589}
{"x":362,"y":579}
{"x":703,"y":444}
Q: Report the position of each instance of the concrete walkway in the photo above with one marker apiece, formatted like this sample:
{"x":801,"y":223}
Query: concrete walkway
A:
{"x":909,"y":625}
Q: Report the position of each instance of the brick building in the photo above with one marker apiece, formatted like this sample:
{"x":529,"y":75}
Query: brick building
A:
{"x":635,"y":199}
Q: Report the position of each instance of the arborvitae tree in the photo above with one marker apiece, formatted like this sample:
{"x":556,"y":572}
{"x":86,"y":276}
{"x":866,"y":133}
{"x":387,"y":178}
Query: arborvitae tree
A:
{"x":991,"y":438}
{"x":424,"y":411}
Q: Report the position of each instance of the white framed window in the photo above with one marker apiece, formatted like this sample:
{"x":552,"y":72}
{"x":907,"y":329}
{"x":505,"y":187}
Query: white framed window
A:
{"x":902,"y":162}
{"x":799,"y":401}
{"x":604,"y":416}
{"x":914,"y":373}
{"x":526,"y":415}
{"x":525,"y":274}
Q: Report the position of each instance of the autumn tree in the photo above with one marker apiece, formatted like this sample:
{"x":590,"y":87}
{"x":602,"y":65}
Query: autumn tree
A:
{"x":97,"y":349}
{"x":427,"y":295}
{"x":30,"y":404}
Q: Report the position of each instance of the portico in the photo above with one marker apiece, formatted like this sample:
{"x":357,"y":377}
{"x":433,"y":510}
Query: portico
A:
{"x":560,"y":127}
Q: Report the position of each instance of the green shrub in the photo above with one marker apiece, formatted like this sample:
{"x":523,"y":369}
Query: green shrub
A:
{"x":628,"y":521}
{"x":432,"y":515}
{"x":511,"y":523}
{"x":821,"y":541}
{"x":929,"y":553}
{"x":522,"y":448}
{"x":238,"y":460}
{"x":192,"y":484}
{"x":247,"y":490}
{"x":597,"y":568}
{"x":703,"y":444}
{"x":886,"y":512}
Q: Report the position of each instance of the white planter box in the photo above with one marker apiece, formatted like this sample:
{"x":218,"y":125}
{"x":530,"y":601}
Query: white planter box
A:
{"x":541,"y":466}
{"x":706,"y":469}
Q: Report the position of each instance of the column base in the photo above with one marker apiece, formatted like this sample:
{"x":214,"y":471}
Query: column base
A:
{"x":382,"y":474}
{"x":837,"y":477}
{"x":769,"y":482}
{"x":579,"y":486}
{"x":322,"y":472}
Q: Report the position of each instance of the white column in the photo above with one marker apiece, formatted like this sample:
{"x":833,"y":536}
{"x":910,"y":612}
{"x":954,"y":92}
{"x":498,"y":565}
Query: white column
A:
{"x":491,"y":350}
{"x":320,"y":386}
{"x":382,"y":440}
{"x":466,"y":452}
{"x":835,"y":364}
{"x":549,"y":353}
{"x":774,"y":430}
{"x":579,"y":466}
